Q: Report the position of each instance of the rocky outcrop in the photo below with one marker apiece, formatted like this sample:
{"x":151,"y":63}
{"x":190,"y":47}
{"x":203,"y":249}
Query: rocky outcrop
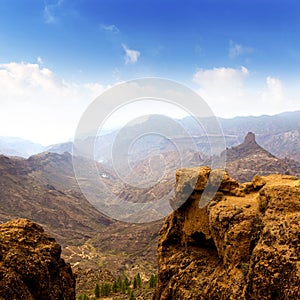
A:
{"x":30,"y":264}
{"x":249,"y":158}
{"x":243,"y":245}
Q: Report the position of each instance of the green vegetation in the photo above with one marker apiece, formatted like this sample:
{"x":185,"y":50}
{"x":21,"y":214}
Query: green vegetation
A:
{"x":137,"y":281}
{"x":114,"y":287}
{"x":131,"y":295}
{"x":105,"y":289}
{"x":126,"y":282}
{"x":97,"y":290}
{"x":153,"y":281}
{"x":122,"y":285}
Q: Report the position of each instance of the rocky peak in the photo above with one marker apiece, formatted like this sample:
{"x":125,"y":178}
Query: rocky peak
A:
{"x":249,"y":158}
{"x":30,"y":264}
{"x":243,"y":245}
{"x":248,"y":148}
{"x":249,"y":138}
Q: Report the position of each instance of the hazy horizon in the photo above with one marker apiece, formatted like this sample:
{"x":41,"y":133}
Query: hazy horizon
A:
{"x":112,"y":129}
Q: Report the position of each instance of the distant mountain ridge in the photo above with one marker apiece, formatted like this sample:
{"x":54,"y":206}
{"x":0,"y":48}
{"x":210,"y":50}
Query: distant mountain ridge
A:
{"x":13,"y":146}
{"x":279,"y":134}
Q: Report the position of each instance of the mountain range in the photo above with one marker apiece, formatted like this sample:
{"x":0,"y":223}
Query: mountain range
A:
{"x":279,"y":134}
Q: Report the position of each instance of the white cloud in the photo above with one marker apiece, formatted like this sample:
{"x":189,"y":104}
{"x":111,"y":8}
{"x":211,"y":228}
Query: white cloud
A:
{"x":38,"y":105}
{"x":279,"y":96}
{"x":274,"y":93}
{"x":221,"y":84}
{"x":110,"y":28}
{"x":131,"y":56}
{"x":275,"y":87}
{"x":236,"y":50}
{"x":231,"y":92}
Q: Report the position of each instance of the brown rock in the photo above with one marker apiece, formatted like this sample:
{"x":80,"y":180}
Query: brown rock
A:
{"x":202,"y":179}
{"x":274,"y":264}
{"x":189,"y":181}
{"x":247,"y":187}
{"x":258,"y":182}
{"x":232,"y":248}
{"x":30,"y":264}
{"x":250,"y":138}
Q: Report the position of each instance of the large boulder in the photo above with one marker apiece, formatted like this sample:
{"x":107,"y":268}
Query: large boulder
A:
{"x":31,"y":267}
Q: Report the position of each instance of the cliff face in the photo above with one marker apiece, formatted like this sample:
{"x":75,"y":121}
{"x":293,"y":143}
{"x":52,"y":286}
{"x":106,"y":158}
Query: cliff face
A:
{"x":30,"y":264}
{"x":245,"y":244}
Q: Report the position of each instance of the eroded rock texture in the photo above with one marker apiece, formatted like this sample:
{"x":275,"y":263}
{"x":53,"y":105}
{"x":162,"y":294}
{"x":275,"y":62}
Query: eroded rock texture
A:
{"x":30,"y":264}
{"x":243,"y":245}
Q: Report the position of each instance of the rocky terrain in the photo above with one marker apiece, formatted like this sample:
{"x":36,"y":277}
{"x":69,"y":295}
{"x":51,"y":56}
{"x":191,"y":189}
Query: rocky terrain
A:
{"x":43,"y":188}
{"x":243,"y":245}
{"x":283,"y":144}
{"x":249,"y":159}
{"x":31,"y":266}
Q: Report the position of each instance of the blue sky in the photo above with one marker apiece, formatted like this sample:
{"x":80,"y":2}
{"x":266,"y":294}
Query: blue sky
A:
{"x":236,"y":54}
{"x":84,"y":38}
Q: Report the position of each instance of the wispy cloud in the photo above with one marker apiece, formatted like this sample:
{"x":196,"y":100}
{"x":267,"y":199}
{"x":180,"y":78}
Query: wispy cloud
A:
{"x":236,"y":50}
{"x":50,"y":12}
{"x":110,"y":28}
{"x":131,"y":56}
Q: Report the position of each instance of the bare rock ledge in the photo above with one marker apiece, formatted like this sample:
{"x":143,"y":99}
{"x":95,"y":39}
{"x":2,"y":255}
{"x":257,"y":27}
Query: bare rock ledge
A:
{"x":245,"y":244}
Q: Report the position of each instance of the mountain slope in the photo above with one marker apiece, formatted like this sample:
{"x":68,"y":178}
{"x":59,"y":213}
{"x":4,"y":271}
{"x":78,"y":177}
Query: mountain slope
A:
{"x":248,"y":159}
{"x":43,"y":189}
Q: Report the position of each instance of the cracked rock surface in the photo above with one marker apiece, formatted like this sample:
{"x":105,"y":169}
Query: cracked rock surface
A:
{"x":245,"y":244}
